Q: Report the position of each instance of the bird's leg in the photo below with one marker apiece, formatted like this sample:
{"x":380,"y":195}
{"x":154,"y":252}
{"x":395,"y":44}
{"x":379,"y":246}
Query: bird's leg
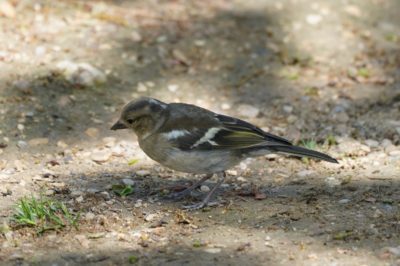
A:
{"x":184,"y":193}
{"x":205,"y":201}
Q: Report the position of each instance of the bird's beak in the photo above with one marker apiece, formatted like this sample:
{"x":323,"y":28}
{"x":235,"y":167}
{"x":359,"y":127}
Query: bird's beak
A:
{"x":118,"y":125}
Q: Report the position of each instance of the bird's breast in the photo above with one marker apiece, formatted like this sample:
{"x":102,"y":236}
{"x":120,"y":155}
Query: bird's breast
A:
{"x":189,"y":161}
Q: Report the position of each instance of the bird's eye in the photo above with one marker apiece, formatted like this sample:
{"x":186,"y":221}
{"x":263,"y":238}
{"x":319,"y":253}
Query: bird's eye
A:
{"x":130,"y":121}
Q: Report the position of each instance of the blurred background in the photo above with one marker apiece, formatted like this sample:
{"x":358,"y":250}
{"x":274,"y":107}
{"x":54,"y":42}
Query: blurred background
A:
{"x":324,"y":74}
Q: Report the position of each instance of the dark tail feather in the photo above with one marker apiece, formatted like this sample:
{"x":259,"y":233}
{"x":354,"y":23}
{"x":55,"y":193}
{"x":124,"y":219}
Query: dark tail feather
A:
{"x":296,"y":150}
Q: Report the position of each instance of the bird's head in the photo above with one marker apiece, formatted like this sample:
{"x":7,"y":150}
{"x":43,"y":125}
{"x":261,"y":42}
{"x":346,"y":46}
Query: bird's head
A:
{"x":141,"y":115}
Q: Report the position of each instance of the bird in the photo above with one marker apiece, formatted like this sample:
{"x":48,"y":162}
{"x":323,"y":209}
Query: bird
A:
{"x":191,"y":139}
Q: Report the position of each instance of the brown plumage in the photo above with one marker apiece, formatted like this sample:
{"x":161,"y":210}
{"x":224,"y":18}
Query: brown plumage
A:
{"x":192,"y":139}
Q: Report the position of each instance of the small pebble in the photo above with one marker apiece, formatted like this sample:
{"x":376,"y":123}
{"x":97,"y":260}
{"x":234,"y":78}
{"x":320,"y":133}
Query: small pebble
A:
{"x":291,"y":119}
{"x":394,"y":250}
{"x":38,"y":141}
{"x":232,"y":172}
{"x":305,"y":173}
{"x":79,"y":199}
{"x":40,"y":50}
{"x":76,"y":193}
{"x":83,"y":241}
{"x":62,"y":144}
{"x":199,"y":43}
{"x":105,"y":195}
{"x":204,"y":188}
{"x":49,"y":192}
{"x":372,"y":143}
{"x":101,"y":156}
{"x":7,"y":9}
{"x":150,"y":217}
{"x":109,"y":141}
{"x":241,"y":179}
{"x":390,"y":148}
{"x":344,"y":201}
{"x":90,"y":216}
{"x":394,"y":153}
{"x":225,"y":106}
{"x":138,"y":204}
{"x":173,"y":87}
{"x":83,"y":74}
{"x":212,"y":250}
{"x":248,"y":111}
{"x":4,"y":191}
{"x":143,"y":172}
{"x":313,"y":19}
{"x":386,"y":143}
{"x":288,"y":109}
{"x":128,"y":181}
{"x":332,"y":181}
{"x":141,"y":87}
{"x":22,"y":144}
{"x":92,"y":132}
{"x":92,"y":190}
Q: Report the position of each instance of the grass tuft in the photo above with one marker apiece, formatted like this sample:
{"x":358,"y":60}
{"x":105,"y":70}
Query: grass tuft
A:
{"x":309,"y":144}
{"x":122,"y":190}
{"x":44,"y":214}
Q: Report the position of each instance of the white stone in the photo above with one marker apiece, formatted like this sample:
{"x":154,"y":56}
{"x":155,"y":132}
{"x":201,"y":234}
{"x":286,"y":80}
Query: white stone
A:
{"x":100,"y":156}
{"x":305,"y":173}
{"x":150,"y":217}
{"x":141,"y":87}
{"x":40,"y":50}
{"x":128,"y":181}
{"x":332,"y":181}
{"x":173,"y":87}
{"x":372,"y":143}
{"x":288,"y":109}
{"x":204,"y":188}
{"x":344,"y":201}
{"x":22,"y":144}
{"x":241,"y":179}
{"x":92,"y":190}
{"x":225,"y":106}
{"x":212,"y":250}
{"x":79,"y":199}
{"x":20,"y":127}
{"x":386,"y":142}
{"x":92,"y":132}
{"x":38,"y":141}
{"x":394,"y":153}
{"x":394,"y":250}
{"x":142,"y":172}
{"x":90,"y":216}
{"x":81,"y":73}
{"x":313,"y":19}
{"x":248,"y":110}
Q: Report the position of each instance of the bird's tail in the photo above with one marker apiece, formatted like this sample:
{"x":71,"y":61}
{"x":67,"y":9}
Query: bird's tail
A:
{"x":299,"y":151}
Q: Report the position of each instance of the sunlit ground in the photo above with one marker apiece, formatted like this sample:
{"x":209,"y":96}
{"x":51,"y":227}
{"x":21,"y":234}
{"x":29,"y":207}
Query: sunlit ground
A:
{"x":320,"y":73}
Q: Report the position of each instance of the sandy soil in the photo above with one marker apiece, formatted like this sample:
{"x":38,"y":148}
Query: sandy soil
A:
{"x":321,"y":70}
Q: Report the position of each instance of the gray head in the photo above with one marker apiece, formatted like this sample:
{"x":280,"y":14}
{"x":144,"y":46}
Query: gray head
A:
{"x":141,"y":115}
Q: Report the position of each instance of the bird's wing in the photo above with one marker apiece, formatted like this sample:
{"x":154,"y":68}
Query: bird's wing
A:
{"x":199,"y":129}
{"x":239,"y":134}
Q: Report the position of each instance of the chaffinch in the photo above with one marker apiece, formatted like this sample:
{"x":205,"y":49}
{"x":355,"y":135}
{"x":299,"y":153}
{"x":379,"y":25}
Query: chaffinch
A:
{"x":191,"y":139}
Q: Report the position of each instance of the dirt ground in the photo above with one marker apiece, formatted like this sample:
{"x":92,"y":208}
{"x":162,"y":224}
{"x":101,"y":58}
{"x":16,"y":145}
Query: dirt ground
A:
{"x":307,"y":70}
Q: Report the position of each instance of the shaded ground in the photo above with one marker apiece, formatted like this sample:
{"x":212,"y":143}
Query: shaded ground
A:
{"x":326,"y":71}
